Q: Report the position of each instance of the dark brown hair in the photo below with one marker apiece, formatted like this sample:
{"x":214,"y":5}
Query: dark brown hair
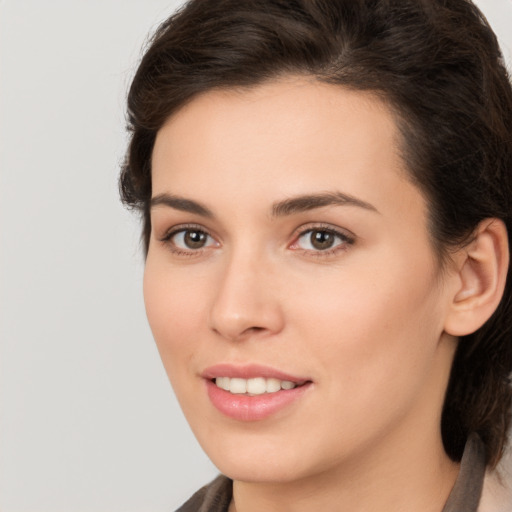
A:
{"x":435,"y":62}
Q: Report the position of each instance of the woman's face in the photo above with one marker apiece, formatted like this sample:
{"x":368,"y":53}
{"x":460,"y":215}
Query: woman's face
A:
{"x":289,"y":250}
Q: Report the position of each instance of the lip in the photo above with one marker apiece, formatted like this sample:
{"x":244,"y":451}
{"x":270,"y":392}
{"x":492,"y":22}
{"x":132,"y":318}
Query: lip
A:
{"x":252,"y":408}
{"x":249,"y":371}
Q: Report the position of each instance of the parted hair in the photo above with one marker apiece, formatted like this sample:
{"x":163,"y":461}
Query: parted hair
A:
{"x":436,"y":63}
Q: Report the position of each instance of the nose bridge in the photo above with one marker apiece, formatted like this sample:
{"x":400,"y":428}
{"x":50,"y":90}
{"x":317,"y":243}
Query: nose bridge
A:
{"x":245,"y":301}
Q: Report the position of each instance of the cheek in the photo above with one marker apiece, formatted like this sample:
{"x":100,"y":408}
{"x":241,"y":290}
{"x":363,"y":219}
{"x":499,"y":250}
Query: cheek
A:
{"x":175,"y":313}
{"x":373,"y":324}
{"x":369,"y":343}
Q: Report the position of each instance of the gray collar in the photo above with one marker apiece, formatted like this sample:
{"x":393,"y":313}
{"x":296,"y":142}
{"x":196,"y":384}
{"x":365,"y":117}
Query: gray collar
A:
{"x":466,"y":492}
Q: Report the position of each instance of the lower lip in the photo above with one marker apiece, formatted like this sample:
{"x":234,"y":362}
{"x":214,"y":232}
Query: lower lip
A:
{"x":252,"y":408}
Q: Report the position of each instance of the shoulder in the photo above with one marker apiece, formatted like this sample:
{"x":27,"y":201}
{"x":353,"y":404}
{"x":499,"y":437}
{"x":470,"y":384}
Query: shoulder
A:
{"x":214,"y":497}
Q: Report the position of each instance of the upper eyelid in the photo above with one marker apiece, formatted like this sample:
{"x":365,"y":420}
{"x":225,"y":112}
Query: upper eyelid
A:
{"x":184,"y":227}
{"x":311,"y":226}
{"x":301,"y":229}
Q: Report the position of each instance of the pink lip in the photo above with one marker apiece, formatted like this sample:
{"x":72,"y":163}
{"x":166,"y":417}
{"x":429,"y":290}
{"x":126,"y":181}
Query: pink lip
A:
{"x":251,"y":408}
{"x":249,"y":371}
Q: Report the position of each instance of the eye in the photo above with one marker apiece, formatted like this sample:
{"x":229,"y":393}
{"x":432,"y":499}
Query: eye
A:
{"x":189,"y":239}
{"x":321,"y":240}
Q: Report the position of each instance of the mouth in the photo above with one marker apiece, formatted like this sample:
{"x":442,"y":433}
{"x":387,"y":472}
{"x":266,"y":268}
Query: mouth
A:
{"x":253,"y":392}
{"x":255,"y":386}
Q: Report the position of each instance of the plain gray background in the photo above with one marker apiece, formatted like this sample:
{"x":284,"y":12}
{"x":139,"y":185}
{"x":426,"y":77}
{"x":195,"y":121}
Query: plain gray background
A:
{"x":88,"y":421}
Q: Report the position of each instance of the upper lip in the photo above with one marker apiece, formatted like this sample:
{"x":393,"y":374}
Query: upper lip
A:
{"x":249,"y":371}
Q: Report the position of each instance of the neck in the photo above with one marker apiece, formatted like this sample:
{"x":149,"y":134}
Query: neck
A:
{"x":394,"y":479}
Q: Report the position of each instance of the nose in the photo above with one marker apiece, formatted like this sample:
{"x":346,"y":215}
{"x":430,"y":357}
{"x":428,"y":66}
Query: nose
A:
{"x":246,"y":302}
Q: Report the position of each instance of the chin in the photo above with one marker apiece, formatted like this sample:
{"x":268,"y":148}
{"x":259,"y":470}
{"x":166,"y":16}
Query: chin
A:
{"x":265,"y":459}
{"x":272,"y":471}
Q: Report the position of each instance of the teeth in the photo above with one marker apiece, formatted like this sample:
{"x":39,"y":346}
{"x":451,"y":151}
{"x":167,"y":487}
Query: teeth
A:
{"x":238,"y":386}
{"x":273,"y":385}
{"x":255,"y":386}
{"x":223,"y":382}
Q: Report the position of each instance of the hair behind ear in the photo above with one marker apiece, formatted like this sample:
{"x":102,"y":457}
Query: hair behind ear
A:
{"x":479,"y":394}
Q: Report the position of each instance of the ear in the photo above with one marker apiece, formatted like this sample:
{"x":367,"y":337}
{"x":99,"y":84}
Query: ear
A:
{"x":481,"y":272}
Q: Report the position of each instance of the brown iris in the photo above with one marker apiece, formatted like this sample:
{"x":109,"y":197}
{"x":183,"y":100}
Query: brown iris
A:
{"x":195,"y":239}
{"x":321,"y":239}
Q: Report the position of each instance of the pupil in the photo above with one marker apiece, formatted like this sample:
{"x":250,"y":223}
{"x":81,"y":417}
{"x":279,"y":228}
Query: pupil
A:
{"x":321,"y":239}
{"x":195,"y":239}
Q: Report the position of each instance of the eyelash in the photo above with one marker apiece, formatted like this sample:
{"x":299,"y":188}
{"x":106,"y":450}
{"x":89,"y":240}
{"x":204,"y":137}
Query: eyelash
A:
{"x":167,"y":239}
{"x":344,"y":238}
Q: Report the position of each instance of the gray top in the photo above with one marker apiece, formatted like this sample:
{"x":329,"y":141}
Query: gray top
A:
{"x":465,"y":495}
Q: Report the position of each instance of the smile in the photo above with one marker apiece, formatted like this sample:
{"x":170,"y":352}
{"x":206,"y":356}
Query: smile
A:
{"x":253,"y":392}
{"x":254,"y":386}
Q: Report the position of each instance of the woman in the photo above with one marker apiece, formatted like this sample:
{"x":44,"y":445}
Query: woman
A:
{"x":325,"y":188}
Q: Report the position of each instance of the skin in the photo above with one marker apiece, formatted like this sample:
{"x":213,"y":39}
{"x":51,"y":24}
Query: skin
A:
{"x":365,"y":321}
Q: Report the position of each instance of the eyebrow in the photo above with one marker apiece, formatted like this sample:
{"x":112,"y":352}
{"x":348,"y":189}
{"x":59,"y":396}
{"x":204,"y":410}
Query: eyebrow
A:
{"x":182,"y":204}
{"x":310,"y":202}
{"x":283,"y":208}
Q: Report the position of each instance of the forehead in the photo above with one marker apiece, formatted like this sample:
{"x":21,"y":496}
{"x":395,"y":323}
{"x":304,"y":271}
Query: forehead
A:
{"x":286,"y":137}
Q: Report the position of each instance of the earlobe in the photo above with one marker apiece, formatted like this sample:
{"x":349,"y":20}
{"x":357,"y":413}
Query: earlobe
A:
{"x":481,"y":276}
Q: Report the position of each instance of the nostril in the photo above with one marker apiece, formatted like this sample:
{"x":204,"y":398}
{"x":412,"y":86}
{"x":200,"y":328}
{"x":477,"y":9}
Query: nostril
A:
{"x":252,"y":330}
